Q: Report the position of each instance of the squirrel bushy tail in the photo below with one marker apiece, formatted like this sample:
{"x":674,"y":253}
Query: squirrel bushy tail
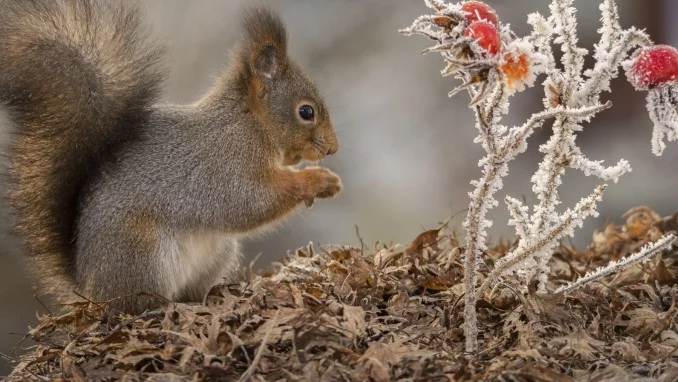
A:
{"x":77,"y":77}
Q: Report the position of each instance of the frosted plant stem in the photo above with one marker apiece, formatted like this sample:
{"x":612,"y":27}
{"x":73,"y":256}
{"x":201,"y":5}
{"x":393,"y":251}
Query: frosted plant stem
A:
{"x":646,"y":253}
{"x":471,"y":259}
{"x":547,"y":178}
{"x":573,"y":56}
{"x":474,"y":244}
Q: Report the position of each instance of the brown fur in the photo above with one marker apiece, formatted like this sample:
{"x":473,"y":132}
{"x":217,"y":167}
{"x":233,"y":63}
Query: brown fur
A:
{"x":74,"y":99}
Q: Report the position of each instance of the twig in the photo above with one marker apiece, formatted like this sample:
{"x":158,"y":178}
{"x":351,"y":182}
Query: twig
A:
{"x":142,"y":316}
{"x":360,"y":238}
{"x":49,"y":312}
{"x":98,"y":305}
{"x":25,"y":337}
{"x":260,"y":352}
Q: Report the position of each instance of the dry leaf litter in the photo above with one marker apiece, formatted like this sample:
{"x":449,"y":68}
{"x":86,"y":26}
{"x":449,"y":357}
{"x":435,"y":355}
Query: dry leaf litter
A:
{"x":388,"y":314}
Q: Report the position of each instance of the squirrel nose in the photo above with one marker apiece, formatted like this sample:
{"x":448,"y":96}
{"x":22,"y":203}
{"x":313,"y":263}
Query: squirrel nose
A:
{"x":334,"y":143}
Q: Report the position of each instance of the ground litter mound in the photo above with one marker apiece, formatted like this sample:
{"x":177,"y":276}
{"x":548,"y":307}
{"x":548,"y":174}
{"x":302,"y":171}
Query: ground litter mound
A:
{"x":386,"y":313}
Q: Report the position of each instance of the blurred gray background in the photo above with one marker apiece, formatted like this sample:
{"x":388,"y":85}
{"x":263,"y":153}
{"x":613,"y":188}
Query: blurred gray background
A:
{"x":406,"y":154}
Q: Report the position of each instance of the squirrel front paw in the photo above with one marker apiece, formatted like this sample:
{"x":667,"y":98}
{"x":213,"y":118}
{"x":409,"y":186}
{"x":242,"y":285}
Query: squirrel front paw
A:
{"x":322,"y":183}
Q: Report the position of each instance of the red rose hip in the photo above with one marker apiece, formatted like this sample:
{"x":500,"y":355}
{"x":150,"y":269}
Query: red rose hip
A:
{"x":654,"y":65}
{"x":485,"y":34}
{"x":479,"y":11}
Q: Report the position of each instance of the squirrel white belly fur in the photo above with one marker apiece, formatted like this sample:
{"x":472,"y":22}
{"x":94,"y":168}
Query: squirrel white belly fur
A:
{"x":118,"y":197}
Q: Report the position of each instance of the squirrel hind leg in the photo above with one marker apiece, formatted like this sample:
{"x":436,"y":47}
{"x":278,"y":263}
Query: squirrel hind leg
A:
{"x":137,"y":264}
{"x":118,"y":260}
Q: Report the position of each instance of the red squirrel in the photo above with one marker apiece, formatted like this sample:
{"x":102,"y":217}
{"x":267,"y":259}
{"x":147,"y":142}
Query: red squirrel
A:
{"x":119,"y":197}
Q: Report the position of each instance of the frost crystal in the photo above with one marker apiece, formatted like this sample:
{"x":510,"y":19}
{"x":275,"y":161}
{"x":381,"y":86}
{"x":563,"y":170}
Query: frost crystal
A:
{"x":571,"y":99}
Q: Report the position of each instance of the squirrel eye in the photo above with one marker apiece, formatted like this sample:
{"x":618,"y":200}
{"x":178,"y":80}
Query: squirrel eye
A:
{"x":306,"y":113}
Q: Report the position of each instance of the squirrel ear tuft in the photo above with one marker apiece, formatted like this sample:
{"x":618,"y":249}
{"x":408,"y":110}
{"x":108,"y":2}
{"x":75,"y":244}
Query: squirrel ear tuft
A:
{"x":265,"y":41}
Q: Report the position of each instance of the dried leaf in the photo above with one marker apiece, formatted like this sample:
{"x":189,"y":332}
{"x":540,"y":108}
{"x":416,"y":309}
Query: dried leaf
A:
{"x":578,"y":344}
{"x":639,"y":220}
{"x":424,"y":240}
{"x":354,"y":317}
{"x":628,"y":351}
{"x":437,"y":283}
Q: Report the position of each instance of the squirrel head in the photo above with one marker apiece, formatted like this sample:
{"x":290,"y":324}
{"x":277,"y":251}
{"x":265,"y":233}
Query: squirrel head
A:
{"x":279,"y":94}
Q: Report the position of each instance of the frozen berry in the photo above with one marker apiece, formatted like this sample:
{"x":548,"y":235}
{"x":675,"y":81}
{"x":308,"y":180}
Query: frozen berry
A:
{"x":479,"y":11}
{"x":485,"y":34}
{"x":654,"y":65}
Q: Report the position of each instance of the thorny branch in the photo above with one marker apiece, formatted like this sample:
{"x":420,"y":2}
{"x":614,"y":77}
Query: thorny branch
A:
{"x":466,"y":38}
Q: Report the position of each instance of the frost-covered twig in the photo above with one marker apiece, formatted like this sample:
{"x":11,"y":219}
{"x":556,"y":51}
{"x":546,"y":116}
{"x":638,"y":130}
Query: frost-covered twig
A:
{"x":645,"y":253}
{"x":596,"y":168}
{"x":607,"y":69}
{"x":563,"y":17}
{"x":531,"y":246}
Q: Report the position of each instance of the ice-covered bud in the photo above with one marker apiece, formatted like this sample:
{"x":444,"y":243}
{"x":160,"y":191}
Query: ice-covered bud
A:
{"x":652,"y":66}
{"x":485,"y":35}
{"x":479,"y":11}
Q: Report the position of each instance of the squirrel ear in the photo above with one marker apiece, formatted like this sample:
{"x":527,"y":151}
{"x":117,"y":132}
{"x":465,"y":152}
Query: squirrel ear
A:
{"x":265,"y":62}
{"x":265,"y":42}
